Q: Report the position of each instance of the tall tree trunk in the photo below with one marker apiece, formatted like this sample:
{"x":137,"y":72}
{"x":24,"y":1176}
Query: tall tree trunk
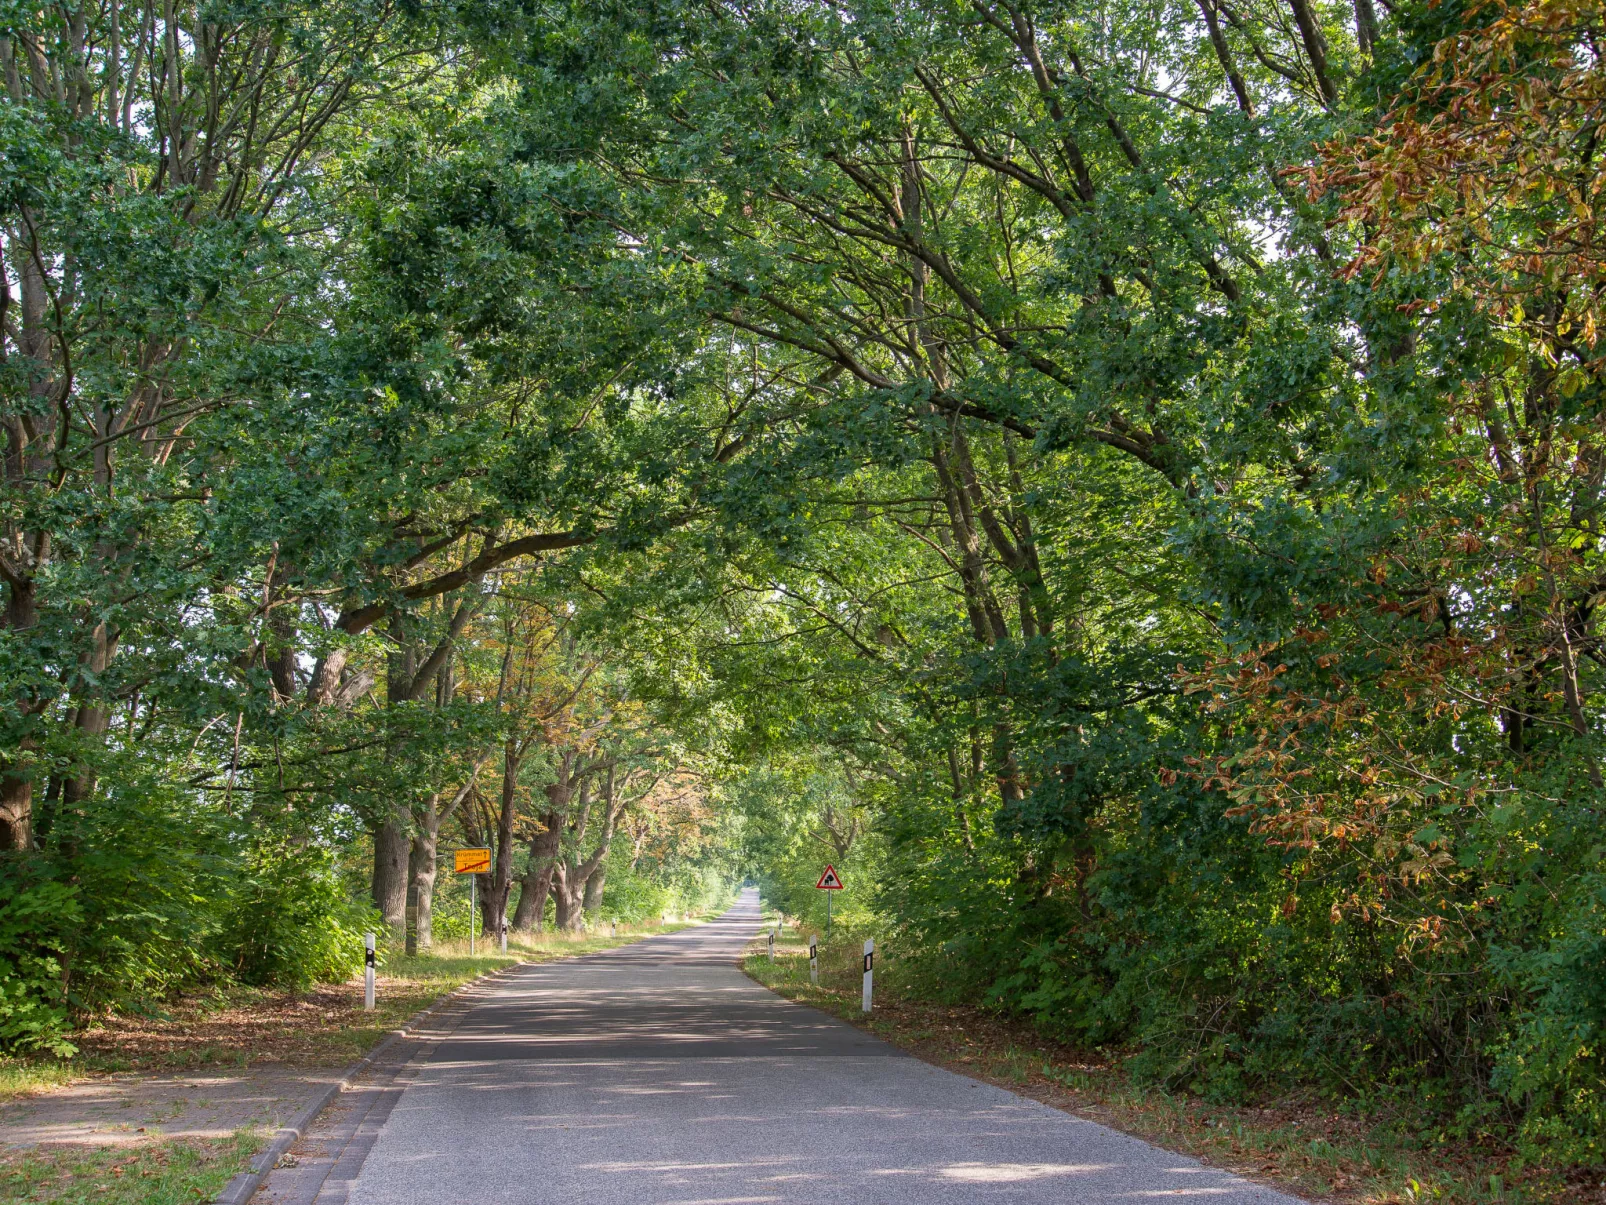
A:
{"x":544,"y":847}
{"x":391,"y":852}
{"x":588,"y":877}
{"x":422,"y":869}
{"x":531,"y":915}
{"x":566,"y":889}
{"x":16,"y":783}
{"x":500,"y":886}
{"x":92,"y":719}
{"x":392,"y":845}
{"x":594,"y":886}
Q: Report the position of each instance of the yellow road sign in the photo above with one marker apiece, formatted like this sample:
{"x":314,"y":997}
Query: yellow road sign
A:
{"x":473,"y":861}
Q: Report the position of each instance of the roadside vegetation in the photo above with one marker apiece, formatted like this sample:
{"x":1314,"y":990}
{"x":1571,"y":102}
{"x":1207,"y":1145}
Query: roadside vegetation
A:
{"x":237,"y":1026}
{"x":1347,"y":1149}
{"x":1124,"y":482}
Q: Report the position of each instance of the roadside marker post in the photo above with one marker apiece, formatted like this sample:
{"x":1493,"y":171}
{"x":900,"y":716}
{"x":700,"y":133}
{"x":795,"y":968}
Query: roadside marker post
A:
{"x":502,"y":928}
{"x":368,"y":972}
{"x":814,"y":958}
{"x":829,"y":881}
{"x":869,"y":970}
{"x":771,"y":936}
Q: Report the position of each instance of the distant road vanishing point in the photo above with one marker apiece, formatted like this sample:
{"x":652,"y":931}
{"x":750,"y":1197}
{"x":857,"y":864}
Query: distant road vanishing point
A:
{"x":660,"y":1073}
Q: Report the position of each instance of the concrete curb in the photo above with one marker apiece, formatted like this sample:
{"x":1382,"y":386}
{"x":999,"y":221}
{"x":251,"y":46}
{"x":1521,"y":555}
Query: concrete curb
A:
{"x":240,"y":1190}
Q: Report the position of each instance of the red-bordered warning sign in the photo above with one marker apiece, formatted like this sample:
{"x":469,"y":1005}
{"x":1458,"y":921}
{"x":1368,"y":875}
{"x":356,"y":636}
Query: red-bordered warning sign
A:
{"x":830,"y":880}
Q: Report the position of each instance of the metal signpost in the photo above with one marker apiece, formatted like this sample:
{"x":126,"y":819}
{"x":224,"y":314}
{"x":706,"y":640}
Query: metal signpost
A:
{"x":829,"y":881}
{"x":472,"y":862}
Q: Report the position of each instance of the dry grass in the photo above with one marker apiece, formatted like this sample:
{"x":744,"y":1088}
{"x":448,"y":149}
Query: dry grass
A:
{"x":1304,"y":1145}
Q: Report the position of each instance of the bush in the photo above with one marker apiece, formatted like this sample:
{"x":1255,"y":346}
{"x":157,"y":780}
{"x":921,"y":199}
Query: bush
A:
{"x":291,"y":923}
{"x":37,"y":917}
{"x":1553,"y":1066}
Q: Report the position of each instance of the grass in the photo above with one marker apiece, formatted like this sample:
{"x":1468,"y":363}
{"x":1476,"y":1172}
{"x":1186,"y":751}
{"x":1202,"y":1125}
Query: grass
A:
{"x":239,"y":1027}
{"x":24,"y":1077}
{"x":1305,"y":1145}
{"x":151,"y":1173}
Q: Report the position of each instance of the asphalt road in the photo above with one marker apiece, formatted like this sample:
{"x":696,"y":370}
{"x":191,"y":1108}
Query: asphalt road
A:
{"x":660,"y":1073}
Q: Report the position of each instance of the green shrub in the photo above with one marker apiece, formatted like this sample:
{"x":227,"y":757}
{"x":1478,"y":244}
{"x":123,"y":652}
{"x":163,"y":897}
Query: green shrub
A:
{"x":291,"y":923}
{"x":1553,"y":1067}
{"x":38,"y":914}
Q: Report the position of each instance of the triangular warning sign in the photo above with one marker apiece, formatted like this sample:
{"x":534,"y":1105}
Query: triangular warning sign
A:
{"x":830,"y":880}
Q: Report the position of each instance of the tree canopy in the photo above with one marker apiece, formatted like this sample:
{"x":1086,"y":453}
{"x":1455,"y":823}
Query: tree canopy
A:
{"x":1123,"y":481}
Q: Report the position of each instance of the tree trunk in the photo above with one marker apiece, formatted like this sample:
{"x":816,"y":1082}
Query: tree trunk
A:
{"x":594,"y":886}
{"x":422,"y":867}
{"x":16,"y":812}
{"x":500,"y":884}
{"x":585,"y":879}
{"x":92,"y":719}
{"x":391,"y":850}
{"x":531,"y":916}
{"x":16,"y":786}
{"x":544,"y":847}
{"x":566,"y":889}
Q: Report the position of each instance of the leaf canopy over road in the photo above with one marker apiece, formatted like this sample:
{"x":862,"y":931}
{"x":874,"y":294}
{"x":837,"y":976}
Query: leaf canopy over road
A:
{"x":1124,"y":482}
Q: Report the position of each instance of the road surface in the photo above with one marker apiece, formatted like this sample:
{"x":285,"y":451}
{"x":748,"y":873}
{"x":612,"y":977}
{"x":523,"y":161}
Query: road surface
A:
{"x":658,"y":1072}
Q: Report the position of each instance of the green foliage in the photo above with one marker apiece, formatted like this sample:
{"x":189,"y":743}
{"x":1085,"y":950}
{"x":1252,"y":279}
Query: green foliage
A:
{"x":1550,"y":1064}
{"x":290,"y":921}
{"x":38,"y":918}
{"x":950,"y":433}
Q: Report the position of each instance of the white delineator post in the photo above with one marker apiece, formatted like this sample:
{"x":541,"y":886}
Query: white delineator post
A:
{"x":504,"y":935}
{"x":368,"y":972}
{"x":869,"y":970}
{"x":771,"y":936}
{"x":814,"y":959}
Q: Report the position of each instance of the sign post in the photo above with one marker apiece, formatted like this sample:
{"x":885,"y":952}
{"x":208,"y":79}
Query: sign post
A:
{"x":814,"y":957}
{"x":869,"y":970}
{"x":368,"y":972}
{"x":829,"y":881}
{"x":473,"y":862}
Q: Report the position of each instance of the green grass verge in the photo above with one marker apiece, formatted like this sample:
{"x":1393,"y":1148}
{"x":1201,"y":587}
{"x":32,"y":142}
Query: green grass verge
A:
{"x":150,"y":1173}
{"x":23,"y":1077}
